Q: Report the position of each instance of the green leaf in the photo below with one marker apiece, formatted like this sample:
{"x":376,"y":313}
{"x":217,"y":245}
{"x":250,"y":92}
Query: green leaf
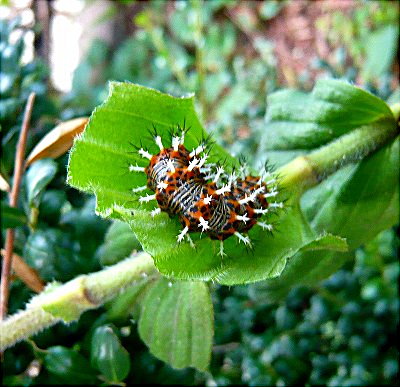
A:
{"x":305,"y":268}
{"x":312,"y":263}
{"x":357,"y":202}
{"x":119,"y":243}
{"x":123,"y":118}
{"x":37,"y":178}
{"x":360,"y":201}
{"x":69,"y":366}
{"x":381,"y":48}
{"x":49,"y":252}
{"x":176,"y":323}
{"x":11,"y":217}
{"x":298,"y":121}
{"x":108,"y":355}
{"x":124,"y":304}
{"x":51,"y":204}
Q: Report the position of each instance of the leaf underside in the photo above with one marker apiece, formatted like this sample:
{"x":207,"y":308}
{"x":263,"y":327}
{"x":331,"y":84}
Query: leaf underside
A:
{"x":176,"y":322}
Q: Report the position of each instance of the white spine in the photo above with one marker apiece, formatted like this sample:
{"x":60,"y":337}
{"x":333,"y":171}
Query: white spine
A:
{"x":271,"y":194}
{"x":196,"y":151}
{"x":203,"y":224}
{"x":136,"y":168}
{"x":139,"y":189}
{"x":265,"y":226}
{"x":175,"y":143}
{"x":147,"y":198}
{"x":159,"y":142}
{"x":161,"y":185}
{"x":145,"y":154}
{"x":182,"y":234}
{"x":155,"y":212}
{"x":223,"y":189}
{"x":202,"y":161}
{"x":252,"y":197}
{"x":242,"y":238}
{"x":170,"y":165}
{"x":276,"y":205}
{"x":220,"y":170}
{"x":207,"y":199}
{"x":244,"y":218}
{"x":261,"y":210}
{"x":192,"y":164}
{"x":221,"y":249}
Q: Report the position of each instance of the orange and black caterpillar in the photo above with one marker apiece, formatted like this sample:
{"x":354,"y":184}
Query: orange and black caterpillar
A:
{"x":202,"y":195}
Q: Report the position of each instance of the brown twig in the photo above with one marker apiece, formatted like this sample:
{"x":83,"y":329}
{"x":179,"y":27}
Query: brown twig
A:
{"x":25,"y":273}
{"x":18,"y":170}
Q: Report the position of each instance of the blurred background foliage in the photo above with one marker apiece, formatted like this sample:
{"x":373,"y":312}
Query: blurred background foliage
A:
{"x":232,"y":54}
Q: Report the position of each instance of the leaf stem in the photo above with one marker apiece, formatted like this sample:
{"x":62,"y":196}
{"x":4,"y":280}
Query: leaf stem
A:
{"x":307,"y":171}
{"x":9,"y":242}
{"x":68,"y":301}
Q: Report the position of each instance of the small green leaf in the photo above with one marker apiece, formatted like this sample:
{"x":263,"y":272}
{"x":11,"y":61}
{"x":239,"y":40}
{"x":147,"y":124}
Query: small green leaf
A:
{"x":108,"y":355}
{"x":70,"y":366}
{"x":176,"y":322}
{"x":381,"y":48}
{"x":37,"y":178}
{"x":298,"y":122}
{"x":119,"y":243}
{"x":11,"y":217}
{"x":123,"y":305}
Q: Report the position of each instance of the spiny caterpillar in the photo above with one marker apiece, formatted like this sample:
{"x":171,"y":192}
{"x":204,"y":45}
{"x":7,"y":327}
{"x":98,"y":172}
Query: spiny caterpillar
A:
{"x":203,"y":196}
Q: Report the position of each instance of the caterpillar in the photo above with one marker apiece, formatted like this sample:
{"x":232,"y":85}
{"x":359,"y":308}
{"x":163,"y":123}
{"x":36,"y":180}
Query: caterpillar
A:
{"x":203,"y":195}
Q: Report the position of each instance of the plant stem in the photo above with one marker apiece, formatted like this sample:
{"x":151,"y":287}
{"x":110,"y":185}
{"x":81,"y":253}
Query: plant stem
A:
{"x":9,"y":243}
{"x":307,"y":171}
{"x":25,"y":273}
{"x":68,"y":301}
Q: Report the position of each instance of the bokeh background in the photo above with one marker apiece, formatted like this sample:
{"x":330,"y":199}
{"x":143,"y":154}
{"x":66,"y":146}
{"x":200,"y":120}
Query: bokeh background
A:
{"x":232,"y":54}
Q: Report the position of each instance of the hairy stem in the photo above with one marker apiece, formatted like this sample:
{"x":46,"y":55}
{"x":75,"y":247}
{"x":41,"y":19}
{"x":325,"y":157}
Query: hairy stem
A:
{"x":307,"y":171}
{"x":68,"y":301}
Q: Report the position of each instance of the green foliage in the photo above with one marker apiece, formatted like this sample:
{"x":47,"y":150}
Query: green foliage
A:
{"x":11,"y":217}
{"x":108,"y":355}
{"x":119,"y":243}
{"x":37,"y":178}
{"x":17,"y":81}
{"x":342,"y":332}
{"x":381,"y":47}
{"x":361,"y":203}
{"x":176,"y":322}
{"x":298,"y":121}
{"x":69,"y":366}
{"x":358,"y":201}
{"x":367,"y":32}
